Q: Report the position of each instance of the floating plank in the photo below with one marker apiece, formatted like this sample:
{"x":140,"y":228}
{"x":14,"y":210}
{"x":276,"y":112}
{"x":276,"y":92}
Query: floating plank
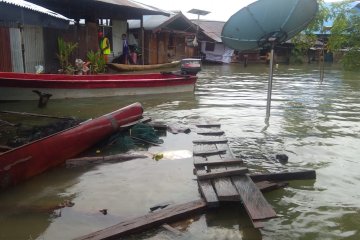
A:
{"x":266,"y":186}
{"x":208,"y":125}
{"x":210,"y":141}
{"x":284,"y":176}
{"x":225,"y":162}
{"x":208,"y":193}
{"x":255,"y":203}
{"x":224,"y":187}
{"x":211,"y":133}
{"x":171,"y":229}
{"x":155,"y":219}
{"x":226,"y":190}
{"x":208,"y":152}
{"x":257,"y":224}
{"x":201,"y":175}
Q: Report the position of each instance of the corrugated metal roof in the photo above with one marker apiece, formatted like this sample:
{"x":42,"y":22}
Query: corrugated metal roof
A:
{"x":211,"y":28}
{"x":150,"y":22}
{"x":34,"y":7}
{"x":176,"y":21}
{"x":130,"y":3}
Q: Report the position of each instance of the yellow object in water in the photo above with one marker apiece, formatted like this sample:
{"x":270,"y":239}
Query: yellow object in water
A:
{"x":158,"y":156}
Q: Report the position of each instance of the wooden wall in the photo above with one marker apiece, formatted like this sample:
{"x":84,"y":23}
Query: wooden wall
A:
{"x":5,"y":50}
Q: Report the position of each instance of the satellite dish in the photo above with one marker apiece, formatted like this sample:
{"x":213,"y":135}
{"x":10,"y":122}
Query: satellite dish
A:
{"x":254,"y":25}
{"x":265,"y":23}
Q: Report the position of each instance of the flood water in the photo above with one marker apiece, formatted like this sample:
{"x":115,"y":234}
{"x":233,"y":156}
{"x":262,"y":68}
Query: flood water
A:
{"x":317,"y":124}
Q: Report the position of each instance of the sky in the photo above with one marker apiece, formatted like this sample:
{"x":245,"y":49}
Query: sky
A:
{"x":221,"y":10}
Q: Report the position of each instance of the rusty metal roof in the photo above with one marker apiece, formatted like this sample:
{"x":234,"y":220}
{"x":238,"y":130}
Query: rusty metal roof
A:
{"x":211,"y":29}
{"x":34,"y":7}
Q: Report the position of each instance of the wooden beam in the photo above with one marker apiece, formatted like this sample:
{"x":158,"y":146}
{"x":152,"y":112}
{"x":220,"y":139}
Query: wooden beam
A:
{"x":201,"y":175}
{"x":154,"y":219}
{"x":208,"y":193}
{"x":208,"y":152}
{"x":210,"y":141}
{"x":171,"y":229}
{"x":208,"y":125}
{"x":211,"y":133}
{"x":284,"y":176}
{"x":255,"y":204}
{"x":225,"y":162}
{"x":266,"y":186}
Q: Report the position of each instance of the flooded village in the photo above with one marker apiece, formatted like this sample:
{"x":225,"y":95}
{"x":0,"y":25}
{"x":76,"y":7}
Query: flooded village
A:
{"x":120,"y":120}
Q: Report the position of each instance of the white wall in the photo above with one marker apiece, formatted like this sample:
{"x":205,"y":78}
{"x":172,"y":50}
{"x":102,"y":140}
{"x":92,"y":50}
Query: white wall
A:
{"x":221,"y":53}
{"x":118,"y":29}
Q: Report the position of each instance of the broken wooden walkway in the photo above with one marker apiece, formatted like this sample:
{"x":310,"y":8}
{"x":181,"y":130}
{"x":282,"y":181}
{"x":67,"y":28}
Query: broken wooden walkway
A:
{"x":222,"y":177}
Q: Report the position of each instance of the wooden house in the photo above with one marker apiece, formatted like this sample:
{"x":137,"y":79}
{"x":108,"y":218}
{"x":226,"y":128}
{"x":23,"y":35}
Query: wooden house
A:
{"x":211,"y":46}
{"x":166,"y":38}
{"x":90,"y":16}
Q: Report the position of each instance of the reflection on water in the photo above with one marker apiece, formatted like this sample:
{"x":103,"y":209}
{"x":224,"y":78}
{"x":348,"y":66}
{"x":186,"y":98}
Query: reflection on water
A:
{"x":315,"y":124}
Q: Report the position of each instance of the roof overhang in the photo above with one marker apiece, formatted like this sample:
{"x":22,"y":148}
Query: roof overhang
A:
{"x":96,"y":9}
{"x":23,"y":12}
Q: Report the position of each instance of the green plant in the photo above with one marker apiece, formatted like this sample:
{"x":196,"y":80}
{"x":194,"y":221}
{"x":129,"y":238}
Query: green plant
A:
{"x":65,"y":51}
{"x":97,"y":62}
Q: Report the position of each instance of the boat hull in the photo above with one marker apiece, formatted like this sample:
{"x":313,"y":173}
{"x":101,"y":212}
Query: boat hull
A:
{"x":18,"y":86}
{"x":34,"y":158}
{"x":130,"y":67}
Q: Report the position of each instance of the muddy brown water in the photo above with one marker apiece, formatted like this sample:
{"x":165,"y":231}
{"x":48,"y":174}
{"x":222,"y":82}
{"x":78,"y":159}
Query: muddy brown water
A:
{"x":316,"y":124}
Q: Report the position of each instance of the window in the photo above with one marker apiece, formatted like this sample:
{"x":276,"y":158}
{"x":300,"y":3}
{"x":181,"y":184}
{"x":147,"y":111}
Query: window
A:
{"x":210,"y":46}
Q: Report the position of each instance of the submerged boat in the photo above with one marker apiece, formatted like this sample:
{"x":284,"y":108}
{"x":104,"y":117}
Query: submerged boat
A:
{"x":130,"y":67}
{"x":24,"y":162}
{"x":23,"y":86}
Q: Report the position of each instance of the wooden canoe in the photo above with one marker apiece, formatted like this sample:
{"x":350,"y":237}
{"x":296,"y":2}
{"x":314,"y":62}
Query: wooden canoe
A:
{"x":21,"y":86}
{"x":24,"y":162}
{"x":130,"y":67}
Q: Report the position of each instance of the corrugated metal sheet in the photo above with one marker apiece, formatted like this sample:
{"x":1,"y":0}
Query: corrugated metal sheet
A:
{"x":16,"y":55}
{"x":34,"y":7}
{"x":34,"y":47}
{"x":211,"y":28}
{"x":132,"y":4}
{"x":5,"y":54}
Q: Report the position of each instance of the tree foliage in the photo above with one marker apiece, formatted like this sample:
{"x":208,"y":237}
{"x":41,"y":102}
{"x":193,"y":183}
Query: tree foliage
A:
{"x":344,"y":34}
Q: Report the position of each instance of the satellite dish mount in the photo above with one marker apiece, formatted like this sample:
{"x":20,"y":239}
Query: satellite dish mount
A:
{"x":269,"y":40}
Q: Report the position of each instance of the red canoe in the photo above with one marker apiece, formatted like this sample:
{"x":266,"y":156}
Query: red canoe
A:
{"x":36,"y":157}
{"x":21,"y":86}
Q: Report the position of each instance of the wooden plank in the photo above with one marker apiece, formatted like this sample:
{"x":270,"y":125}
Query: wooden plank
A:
{"x":211,"y":133}
{"x":171,"y":229}
{"x":208,"y":153}
{"x":224,"y":187}
{"x":201,"y":175}
{"x":208,"y":193}
{"x":284,"y":176}
{"x":154,"y":219}
{"x":209,"y":125}
{"x":255,"y":203}
{"x":206,"y":188}
{"x":214,"y":141}
{"x":225,"y":162}
{"x":257,"y":224}
{"x":266,"y":186}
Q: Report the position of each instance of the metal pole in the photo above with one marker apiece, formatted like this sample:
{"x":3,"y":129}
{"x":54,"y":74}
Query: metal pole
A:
{"x":142,"y":41}
{"x":268,"y":106}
